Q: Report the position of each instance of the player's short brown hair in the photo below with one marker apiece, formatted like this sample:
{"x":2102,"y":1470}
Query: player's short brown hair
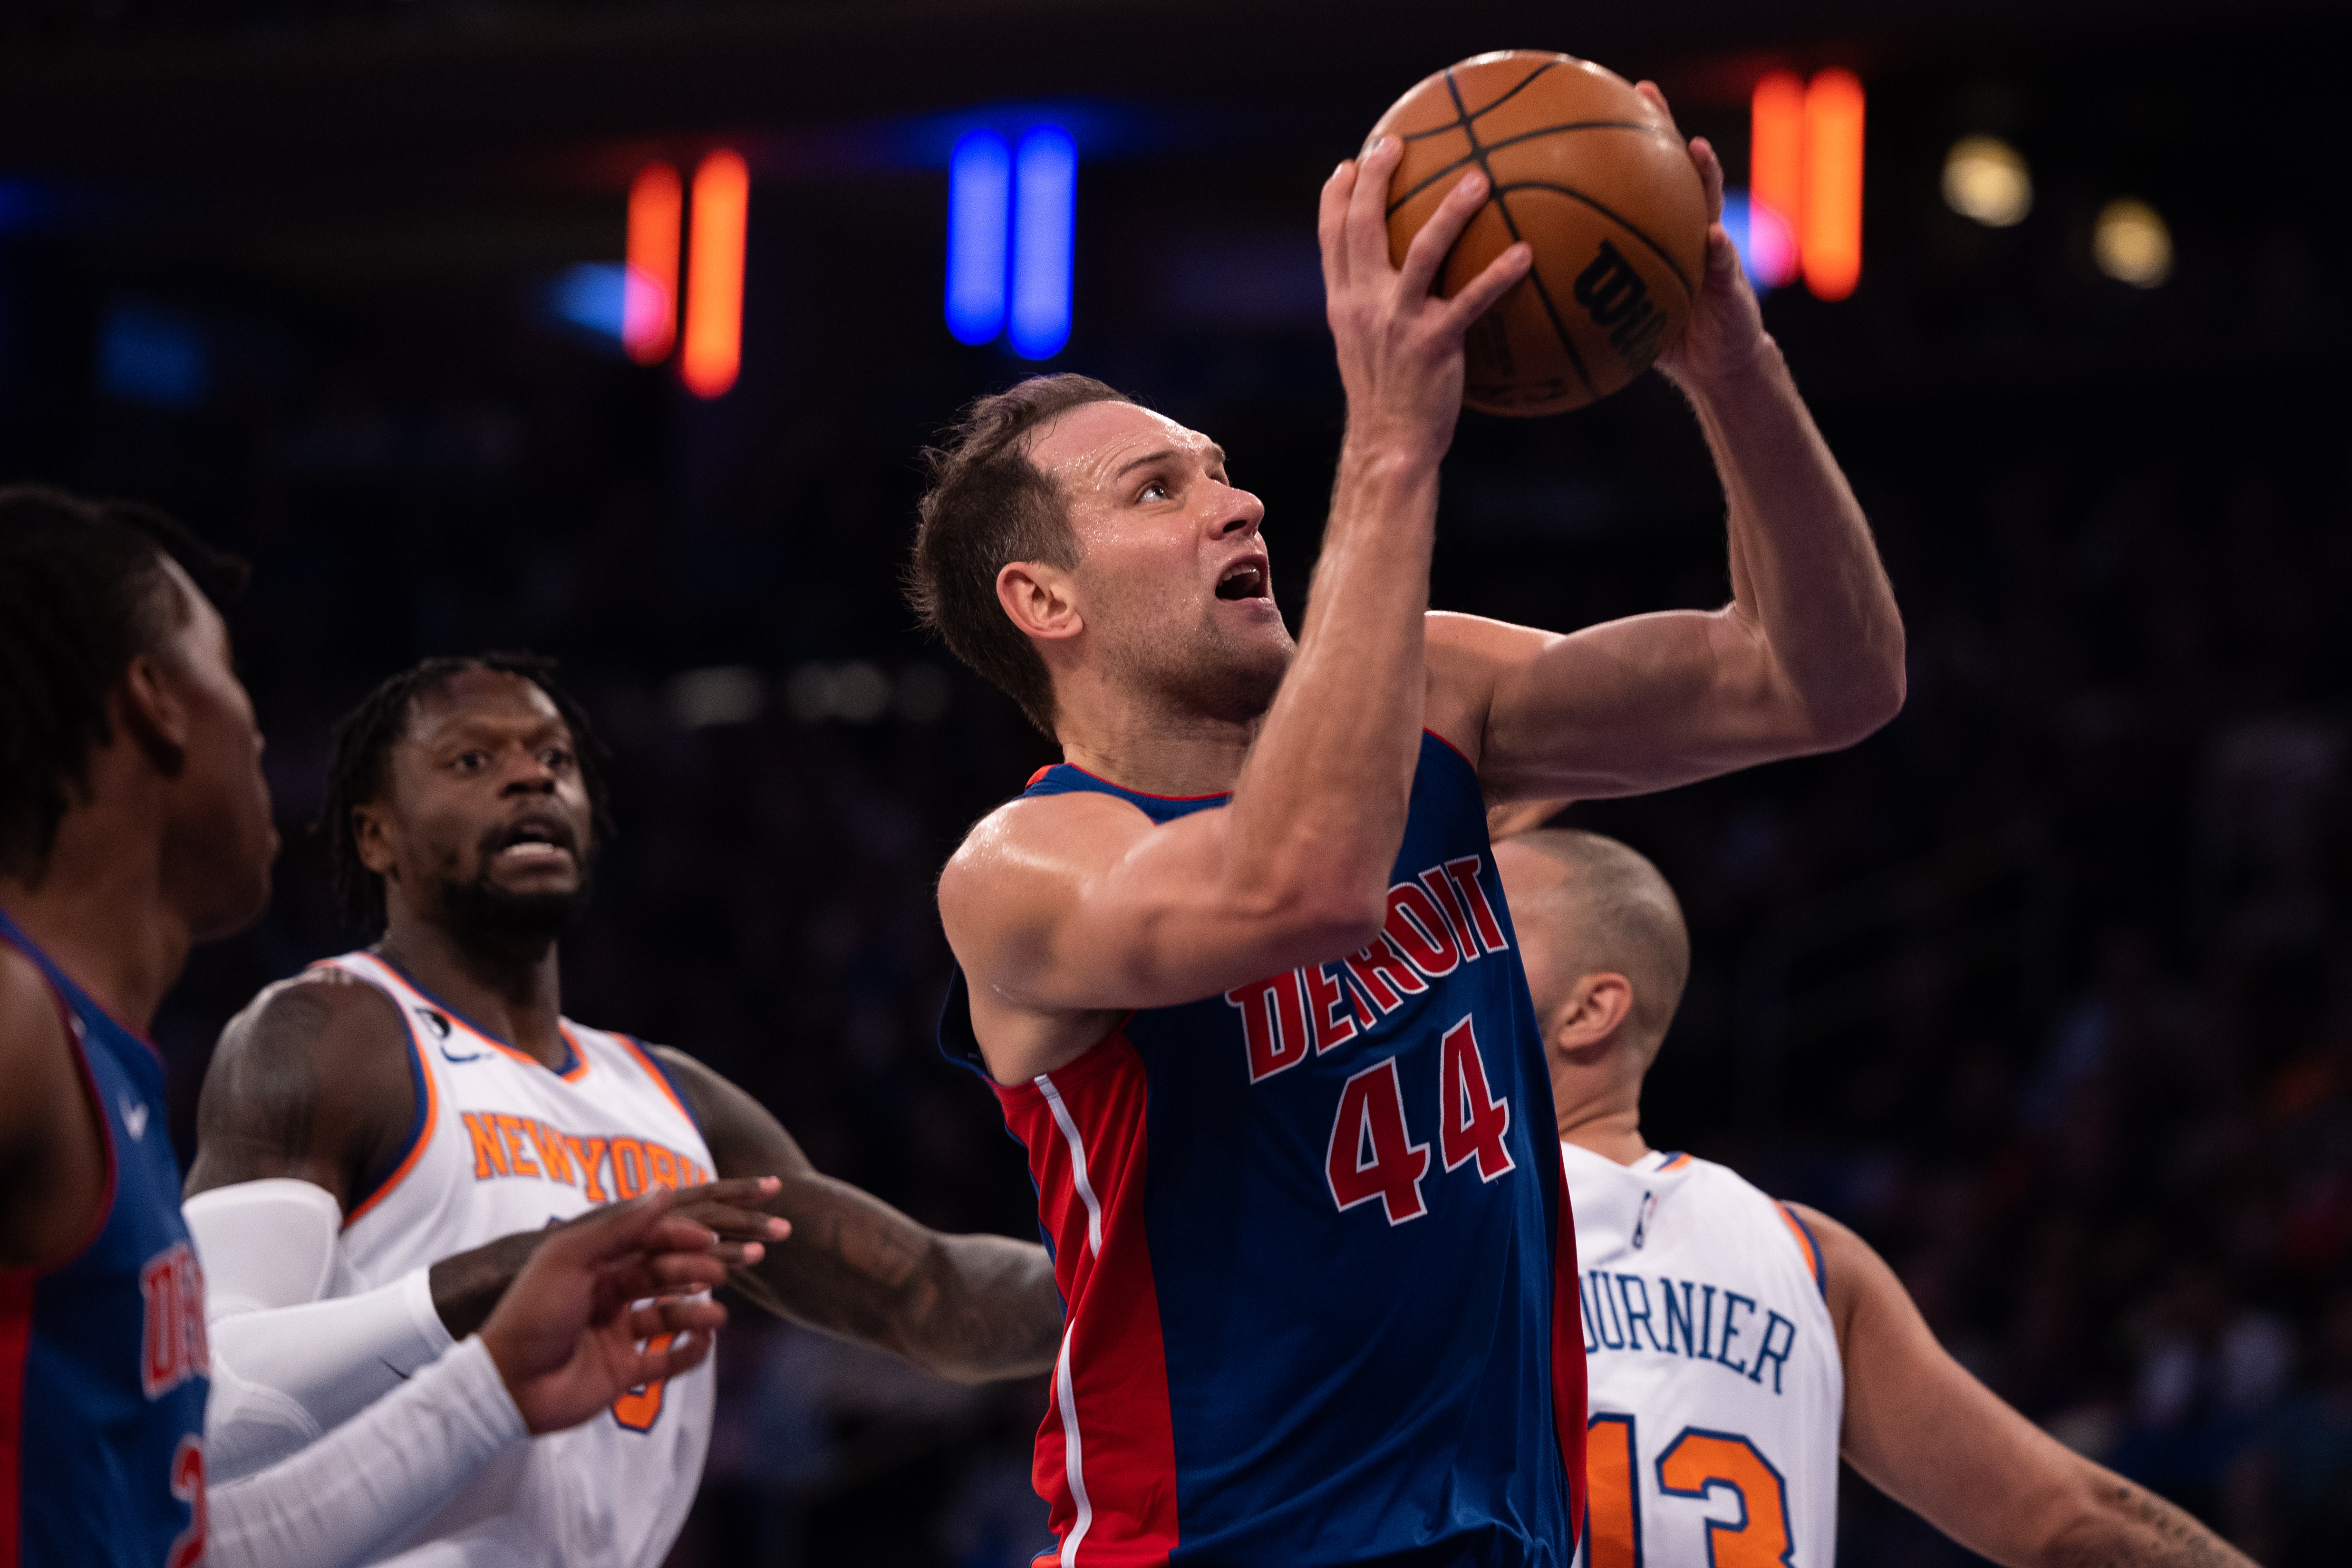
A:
{"x":989,"y":505}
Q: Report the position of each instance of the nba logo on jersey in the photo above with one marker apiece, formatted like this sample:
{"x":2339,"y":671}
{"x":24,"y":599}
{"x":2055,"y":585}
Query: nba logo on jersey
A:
{"x":1716,"y":1388}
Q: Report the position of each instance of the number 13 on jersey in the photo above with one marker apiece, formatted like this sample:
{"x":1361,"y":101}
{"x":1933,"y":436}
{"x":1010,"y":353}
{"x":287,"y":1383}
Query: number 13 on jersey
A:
{"x":1703,"y":1466}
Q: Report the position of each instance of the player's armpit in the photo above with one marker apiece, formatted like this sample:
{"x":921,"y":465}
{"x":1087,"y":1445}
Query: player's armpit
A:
{"x":972,"y":1307}
{"x":311,"y":1080}
{"x":1922,"y":1430}
{"x":1069,"y":910}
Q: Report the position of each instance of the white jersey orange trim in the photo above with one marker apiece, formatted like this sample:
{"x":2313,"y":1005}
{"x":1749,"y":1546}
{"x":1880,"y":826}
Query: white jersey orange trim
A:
{"x":505,"y":1143}
{"x":1715,"y":1389}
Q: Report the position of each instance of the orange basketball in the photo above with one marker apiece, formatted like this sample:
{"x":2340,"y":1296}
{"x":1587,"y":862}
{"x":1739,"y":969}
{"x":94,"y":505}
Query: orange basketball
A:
{"x":1587,"y":171}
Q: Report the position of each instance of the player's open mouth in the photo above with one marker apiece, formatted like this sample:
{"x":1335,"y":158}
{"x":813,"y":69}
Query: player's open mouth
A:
{"x":1243,"y":580}
{"x":535,"y":842}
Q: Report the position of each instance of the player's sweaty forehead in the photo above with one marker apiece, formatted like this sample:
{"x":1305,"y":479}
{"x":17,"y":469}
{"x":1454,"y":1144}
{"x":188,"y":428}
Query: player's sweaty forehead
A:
{"x":1093,"y":447}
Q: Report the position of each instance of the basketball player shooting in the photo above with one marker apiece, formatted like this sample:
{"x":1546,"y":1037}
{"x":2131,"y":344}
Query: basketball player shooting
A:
{"x":1736,"y":1347}
{"x":1239,"y":969}
{"x":134,"y":822}
{"x":383,"y":1139}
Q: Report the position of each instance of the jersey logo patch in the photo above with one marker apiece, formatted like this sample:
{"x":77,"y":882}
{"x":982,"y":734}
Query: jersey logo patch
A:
{"x":1642,"y":1219}
{"x":134,"y":1117}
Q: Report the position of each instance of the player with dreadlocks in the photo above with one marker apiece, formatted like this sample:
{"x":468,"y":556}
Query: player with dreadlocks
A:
{"x":410,"y":1117}
{"x":134,"y":823}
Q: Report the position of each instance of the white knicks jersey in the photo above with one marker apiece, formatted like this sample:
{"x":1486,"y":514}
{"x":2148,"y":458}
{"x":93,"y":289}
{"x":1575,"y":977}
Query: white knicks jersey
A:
{"x":504,"y":1143}
{"x":1716,"y":1390}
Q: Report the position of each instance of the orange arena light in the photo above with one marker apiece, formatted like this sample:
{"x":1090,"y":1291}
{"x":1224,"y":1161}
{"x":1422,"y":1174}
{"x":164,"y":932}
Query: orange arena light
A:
{"x":1829,"y":236}
{"x":714,"y":275}
{"x":1776,"y":156}
{"x":649,"y":303}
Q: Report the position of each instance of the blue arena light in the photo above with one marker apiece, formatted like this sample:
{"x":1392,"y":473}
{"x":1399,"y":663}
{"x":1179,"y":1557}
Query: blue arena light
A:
{"x":1045,"y":227}
{"x":593,"y":295}
{"x":980,"y":222}
{"x":148,"y":353}
{"x":1767,"y":249}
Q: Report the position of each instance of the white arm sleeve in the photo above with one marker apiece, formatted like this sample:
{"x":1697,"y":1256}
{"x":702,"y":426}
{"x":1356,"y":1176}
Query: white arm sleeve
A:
{"x":349,"y":1497}
{"x":296,"y":1351}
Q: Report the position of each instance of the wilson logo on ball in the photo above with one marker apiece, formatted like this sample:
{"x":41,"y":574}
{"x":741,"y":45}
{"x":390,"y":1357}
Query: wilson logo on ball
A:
{"x":1618,"y":301}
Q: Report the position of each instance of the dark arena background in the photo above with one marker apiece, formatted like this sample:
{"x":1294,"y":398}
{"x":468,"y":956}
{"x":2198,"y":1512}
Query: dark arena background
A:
{"x":2046,"y":988}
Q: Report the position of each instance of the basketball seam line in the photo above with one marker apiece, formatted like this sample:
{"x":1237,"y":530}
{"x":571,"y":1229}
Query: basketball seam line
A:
{"x":1552,"y":311}
{"x":1603,"y":210}
{"x":1514,"y":140}
{"x":1463,"y":110}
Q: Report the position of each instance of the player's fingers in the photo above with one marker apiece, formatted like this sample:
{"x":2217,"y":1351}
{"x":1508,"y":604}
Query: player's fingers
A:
{"x":1482,"y":291}
{"x":1710,"y":174}
{"x":604,"y":1233}
{"x":647,"y":1274}
{"x":1368,"y":225}
{"x":736,"y":1192}
{"x":679,"y":1356}
{"x":1331,"y":224}
{"x":1657,"y":98}
{"x":734,"y":1224}
{"x":677,"y":1316}
{"x":1428,"y":252}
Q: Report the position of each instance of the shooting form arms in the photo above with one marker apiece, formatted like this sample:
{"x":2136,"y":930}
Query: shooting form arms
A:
{"x":1806,"y":657}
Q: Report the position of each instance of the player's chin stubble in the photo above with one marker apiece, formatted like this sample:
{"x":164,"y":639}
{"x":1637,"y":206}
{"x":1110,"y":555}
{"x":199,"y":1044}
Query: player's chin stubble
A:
{"x":481,"y":909}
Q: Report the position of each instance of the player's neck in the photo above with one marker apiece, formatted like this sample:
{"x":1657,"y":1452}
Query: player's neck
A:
{"x":1146,"y":747}
{"x":514,"y":990}
{"x":100,"y":914}
{"x":1612,"y":1131}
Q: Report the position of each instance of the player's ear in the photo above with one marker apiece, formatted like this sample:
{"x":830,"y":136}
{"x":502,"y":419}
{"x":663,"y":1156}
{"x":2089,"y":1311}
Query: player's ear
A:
{"x":152,"y":706}
{"x":372,"y":831}
{"x":1596,"y":1009}
{"x":1041,"y":599}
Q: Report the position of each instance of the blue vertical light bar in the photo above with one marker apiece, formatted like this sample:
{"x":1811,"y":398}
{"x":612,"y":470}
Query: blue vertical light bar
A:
{"x":1045,"y":227}
{"x":980,"y":225}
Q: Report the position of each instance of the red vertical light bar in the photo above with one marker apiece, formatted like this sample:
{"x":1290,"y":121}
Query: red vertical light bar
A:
{"x":1776,"y":158}
{"x":649,"y":303}
{"x":713,"y":349}
{"x":1831,"y":234}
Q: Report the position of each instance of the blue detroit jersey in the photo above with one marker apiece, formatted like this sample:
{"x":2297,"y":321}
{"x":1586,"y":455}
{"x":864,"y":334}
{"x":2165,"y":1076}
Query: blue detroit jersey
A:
{"x":103,"y":1358}
{"x":1312,"y":1238}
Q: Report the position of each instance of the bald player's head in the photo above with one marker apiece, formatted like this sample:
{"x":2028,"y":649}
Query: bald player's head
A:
{"x":1602,"y":939}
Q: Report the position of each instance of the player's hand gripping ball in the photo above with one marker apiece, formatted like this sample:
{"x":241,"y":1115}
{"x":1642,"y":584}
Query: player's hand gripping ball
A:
{"x":1596,"y":178}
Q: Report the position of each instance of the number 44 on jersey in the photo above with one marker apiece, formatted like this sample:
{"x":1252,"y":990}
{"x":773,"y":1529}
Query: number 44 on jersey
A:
{"x":1372,"y":1154}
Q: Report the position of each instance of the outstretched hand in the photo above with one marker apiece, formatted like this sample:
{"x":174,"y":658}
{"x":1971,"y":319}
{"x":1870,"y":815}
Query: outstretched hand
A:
{"x":566,"y":1339}
{"x":1726,"y":329}
{"x":1399,"y":345}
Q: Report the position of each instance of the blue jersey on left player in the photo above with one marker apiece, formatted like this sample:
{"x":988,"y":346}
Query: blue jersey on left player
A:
{"x":102,"y":1357}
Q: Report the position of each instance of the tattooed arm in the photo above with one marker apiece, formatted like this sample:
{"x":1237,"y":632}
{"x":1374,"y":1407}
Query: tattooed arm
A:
{"x":1931,"y":1437}
{"x":971,"y":1307}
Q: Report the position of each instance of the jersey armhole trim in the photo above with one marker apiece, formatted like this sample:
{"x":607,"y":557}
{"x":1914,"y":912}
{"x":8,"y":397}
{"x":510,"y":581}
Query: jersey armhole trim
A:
{"x":659,"y":1074}
{"x":420,"y":1132}
{"x":1453,"y":748}
{"x":1806,"y":1244}
{"x":89,"y":1237}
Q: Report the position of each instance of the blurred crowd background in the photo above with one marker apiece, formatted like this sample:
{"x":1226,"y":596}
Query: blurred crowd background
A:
{"x":2046,"y":989}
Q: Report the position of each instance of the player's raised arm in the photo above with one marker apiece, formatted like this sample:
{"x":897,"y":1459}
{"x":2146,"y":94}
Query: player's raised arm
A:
{"x":1806,"y":657}
{"x":971,"y":1307}
{"x":1064,"y":909}
{"x":1931,"y":1437}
